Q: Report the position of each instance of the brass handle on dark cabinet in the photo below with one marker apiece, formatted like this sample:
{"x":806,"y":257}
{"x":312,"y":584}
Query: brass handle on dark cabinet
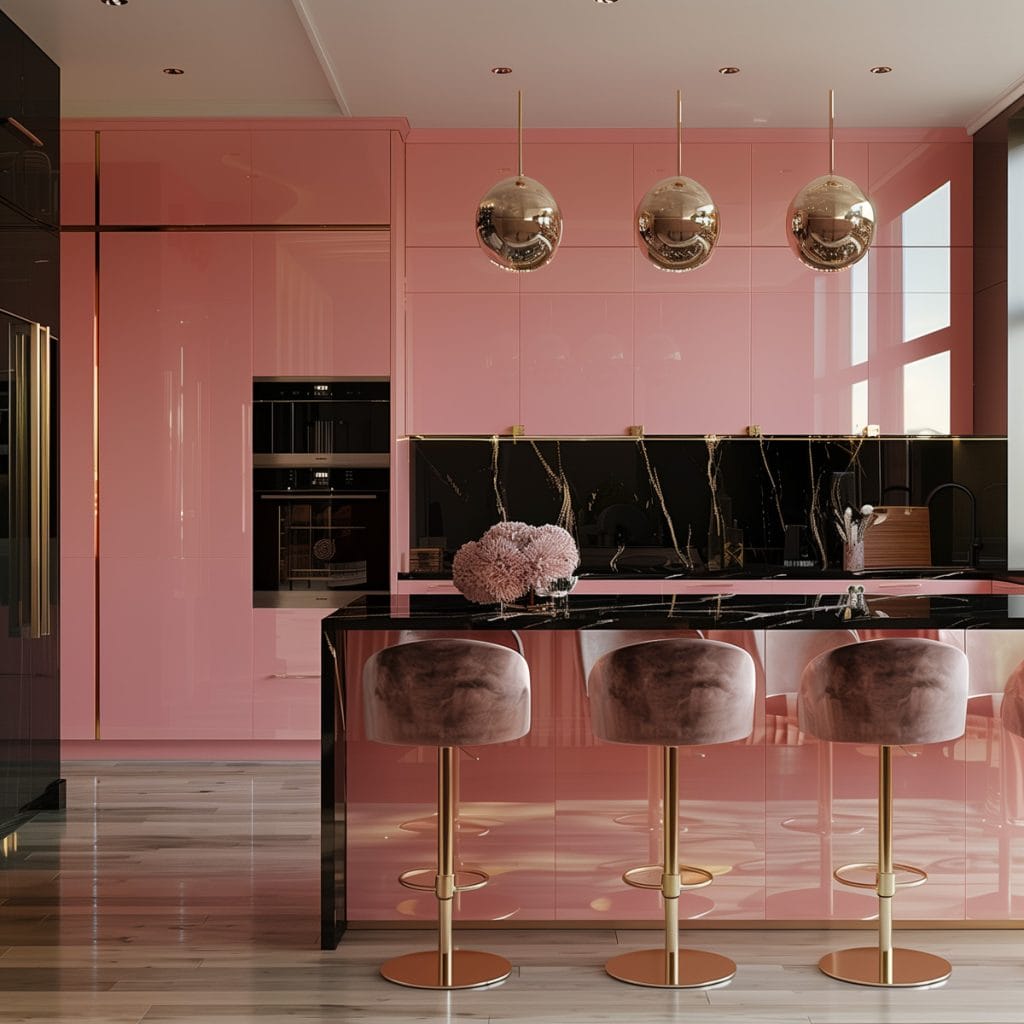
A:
{"x":19,"y":127}
{"x":39,"y":484}
{"x":29,"y":452}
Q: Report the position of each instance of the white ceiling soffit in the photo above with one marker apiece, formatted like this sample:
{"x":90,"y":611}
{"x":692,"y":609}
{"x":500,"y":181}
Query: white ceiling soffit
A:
{"x":580,"y":63}
{"x":240,"y":57}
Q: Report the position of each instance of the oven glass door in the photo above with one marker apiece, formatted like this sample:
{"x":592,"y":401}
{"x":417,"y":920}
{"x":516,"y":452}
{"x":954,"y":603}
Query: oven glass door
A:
{"x":320,"y":427}
{"x":321,"y":542}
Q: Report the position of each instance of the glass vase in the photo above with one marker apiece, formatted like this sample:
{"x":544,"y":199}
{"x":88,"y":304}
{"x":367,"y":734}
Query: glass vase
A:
{"x":853,"y":557}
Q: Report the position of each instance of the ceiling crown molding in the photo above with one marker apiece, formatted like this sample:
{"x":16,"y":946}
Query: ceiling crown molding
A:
{"x":1000,"y":103}
{"x":322,"y":56}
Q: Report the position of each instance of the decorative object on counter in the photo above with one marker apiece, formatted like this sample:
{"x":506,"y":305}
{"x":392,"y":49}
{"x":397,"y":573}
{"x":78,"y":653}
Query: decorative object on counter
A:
{"x":677,"y":220}
{"x":830,"y":223}
{"x":426,"y":560}
{"x":518,"y":222}
{"x":512,"y":559}
{"x":852,"y":528}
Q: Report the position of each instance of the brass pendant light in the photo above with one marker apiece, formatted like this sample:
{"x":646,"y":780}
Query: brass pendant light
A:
{"x":518,"y":223}
{"x":830,"y":222}
{"x":677,"y":221}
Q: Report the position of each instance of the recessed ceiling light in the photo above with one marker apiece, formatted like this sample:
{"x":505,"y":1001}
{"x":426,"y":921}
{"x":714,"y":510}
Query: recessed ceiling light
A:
{"x":173,"y":71}
{"x":880,"y":69}
{"x":728,"y":71}
{"x":501,"y":71}
{"x":114,"y":3}
{"x":607,"y":1}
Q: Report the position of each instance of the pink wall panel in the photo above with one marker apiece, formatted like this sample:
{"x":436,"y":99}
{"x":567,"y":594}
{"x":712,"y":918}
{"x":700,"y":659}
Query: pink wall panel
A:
{"x":599,"y":269}
{"x":463,"y":363}
{"x":728,"y":270}
{"x":286,"y":674}
{"x":77,"y":648}
{"x":176,"y":648}
{"x":321,"y":304}
{"x":778,"y":170}
{"x":693,"y":363}
{"x":723,"y":169}
{"x":437,"y":269}
{"x":175,"y":177}
{"x":577,"y":355}
{"x":175,"y":394}
{"x":592,"y":185}
{"x":77,"y":177}
{"x":78,"y":321}
{"x":321,"y":177}
{"x":446,"y":182}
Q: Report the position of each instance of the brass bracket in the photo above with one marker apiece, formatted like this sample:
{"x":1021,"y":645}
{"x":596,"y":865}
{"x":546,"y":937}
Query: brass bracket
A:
{"x":635,"y":430}
{"x":871,"y":430}
{"x":754,"y":430}
{"x":518,"y":430}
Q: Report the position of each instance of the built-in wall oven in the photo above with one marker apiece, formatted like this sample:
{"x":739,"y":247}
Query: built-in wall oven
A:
{"x":320,"y":478}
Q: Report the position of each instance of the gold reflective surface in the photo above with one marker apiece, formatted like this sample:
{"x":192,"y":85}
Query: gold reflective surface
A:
{"x":519,"y":224}
{"x":830,"y":223}
{"x":678,"y":224}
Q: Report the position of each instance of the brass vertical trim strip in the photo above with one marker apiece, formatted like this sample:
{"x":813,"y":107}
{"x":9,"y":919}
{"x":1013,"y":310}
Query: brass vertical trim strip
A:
{"x":96,"y":438}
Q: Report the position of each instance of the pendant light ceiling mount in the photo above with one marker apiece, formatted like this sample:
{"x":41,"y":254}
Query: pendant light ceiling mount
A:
{"x":518,"y":222}
{"x":677,"y":221}
{"x":830,"y":223}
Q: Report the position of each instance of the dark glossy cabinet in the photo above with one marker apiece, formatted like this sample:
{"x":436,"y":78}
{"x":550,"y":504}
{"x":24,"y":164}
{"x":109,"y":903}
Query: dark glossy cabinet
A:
{"x":29,"y":436}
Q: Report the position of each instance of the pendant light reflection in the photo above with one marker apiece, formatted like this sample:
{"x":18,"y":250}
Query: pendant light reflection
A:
{"x":518,"y":222}
{"x":830,"y":223}
{"x":677,"y":221}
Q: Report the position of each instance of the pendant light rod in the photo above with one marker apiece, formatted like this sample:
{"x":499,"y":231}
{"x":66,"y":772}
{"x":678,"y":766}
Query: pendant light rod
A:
{"x":519,"y":122}
{"x":679,"y":133}
{"x":831,"y":132}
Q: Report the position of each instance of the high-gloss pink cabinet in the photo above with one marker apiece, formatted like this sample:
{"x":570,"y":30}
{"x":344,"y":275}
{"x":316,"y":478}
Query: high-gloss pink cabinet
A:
{"x":175,"y":393}
{"x":175,"y":648}
{"x":324,"y":176}
{"x":692,"y":363}
{"x":286,"y":673}
{"x":77,"y":177}
{"x":173,"y":176}
{"x":321,"y":304}
{"x":577,"y":363}
{"x":462,"y":363}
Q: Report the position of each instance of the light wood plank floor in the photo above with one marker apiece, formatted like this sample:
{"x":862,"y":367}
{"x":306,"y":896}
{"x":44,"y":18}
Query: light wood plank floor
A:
{"x":188,"y":893}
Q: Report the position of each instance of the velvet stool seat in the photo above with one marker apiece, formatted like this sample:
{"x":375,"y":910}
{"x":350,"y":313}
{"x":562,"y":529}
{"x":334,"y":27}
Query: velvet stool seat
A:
{"x":672,"y":693}
{"x":446,"y":693}
{"x":890,"y":692}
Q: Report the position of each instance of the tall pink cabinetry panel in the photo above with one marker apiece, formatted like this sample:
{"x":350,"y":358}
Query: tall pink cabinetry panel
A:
{"x":175,"y":578}
{"x":321,"y":304}
{"x":174,"y":176}
{"x":286,"y":674}
{"x":77,"y":488}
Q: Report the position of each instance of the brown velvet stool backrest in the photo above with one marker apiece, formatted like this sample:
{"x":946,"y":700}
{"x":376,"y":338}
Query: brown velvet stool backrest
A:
{"x":446,"y":693}
{"x":677,"y":692}
{"x":892,"y":691}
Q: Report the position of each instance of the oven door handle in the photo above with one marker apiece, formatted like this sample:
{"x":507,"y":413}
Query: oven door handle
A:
{"x":320,"y":497}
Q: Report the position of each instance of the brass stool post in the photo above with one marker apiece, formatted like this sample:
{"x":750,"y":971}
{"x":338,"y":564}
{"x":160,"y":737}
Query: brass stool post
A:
{"x":885,"y":965}
{"x":447,"y":967}
{"x":670,"y":966}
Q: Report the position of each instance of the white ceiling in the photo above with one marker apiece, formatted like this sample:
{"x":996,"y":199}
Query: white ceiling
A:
{"x":580,"y":63}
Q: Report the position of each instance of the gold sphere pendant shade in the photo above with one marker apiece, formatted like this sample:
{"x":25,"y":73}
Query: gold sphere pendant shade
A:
{"x":830,"y":223}
{"x":518,"y":222}
{"x":677,"y":221}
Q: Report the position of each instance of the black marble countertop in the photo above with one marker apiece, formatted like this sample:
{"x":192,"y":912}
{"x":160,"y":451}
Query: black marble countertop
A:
{"x":925,"y":572}
{"x":728,"y":611}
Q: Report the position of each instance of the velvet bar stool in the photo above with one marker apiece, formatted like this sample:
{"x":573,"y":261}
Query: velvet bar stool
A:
{"x":446,"y":693}
{"x":672,"y":693}
{"x":890,"y":692}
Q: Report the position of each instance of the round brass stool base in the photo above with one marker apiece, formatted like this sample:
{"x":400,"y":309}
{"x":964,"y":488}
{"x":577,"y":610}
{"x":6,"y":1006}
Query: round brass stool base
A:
{"x":470,"y":969}
{"x":910,"y":967}
{"x":697,"y":968}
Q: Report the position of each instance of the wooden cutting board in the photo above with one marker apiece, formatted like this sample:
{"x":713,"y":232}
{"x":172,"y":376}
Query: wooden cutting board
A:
{"x":904,"y":539}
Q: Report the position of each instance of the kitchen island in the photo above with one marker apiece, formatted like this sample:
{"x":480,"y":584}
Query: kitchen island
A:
{"x":556,"y":817}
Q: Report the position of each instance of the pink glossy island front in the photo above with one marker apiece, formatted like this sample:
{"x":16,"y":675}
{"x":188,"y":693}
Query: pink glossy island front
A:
{"x":556,"y":817}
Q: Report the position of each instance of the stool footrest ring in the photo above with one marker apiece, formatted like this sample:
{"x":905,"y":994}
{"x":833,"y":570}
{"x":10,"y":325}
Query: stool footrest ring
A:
{"x":466,"y":879}
{"x":689,"y":877}
{"x":920,"y":876}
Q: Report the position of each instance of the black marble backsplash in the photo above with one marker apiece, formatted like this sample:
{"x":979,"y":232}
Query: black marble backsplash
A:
{"x":742,"y":506}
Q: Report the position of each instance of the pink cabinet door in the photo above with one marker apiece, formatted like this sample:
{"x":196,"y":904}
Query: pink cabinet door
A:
{"x":77,"y":647}
{"x":286,"y":673}
{"x":462,"y":363}
{"x":321,"y":304}
{"x":331,"y":176}
{"x":175,"y":177}
{"x":692,"y":362}
{"x":175,"y":648}
{"x":77,"y":177}
{"x":577,"y":363}
{"x":175,"y":390}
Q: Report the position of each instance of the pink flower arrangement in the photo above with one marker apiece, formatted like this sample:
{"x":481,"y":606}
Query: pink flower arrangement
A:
{"x":510,"y":559}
